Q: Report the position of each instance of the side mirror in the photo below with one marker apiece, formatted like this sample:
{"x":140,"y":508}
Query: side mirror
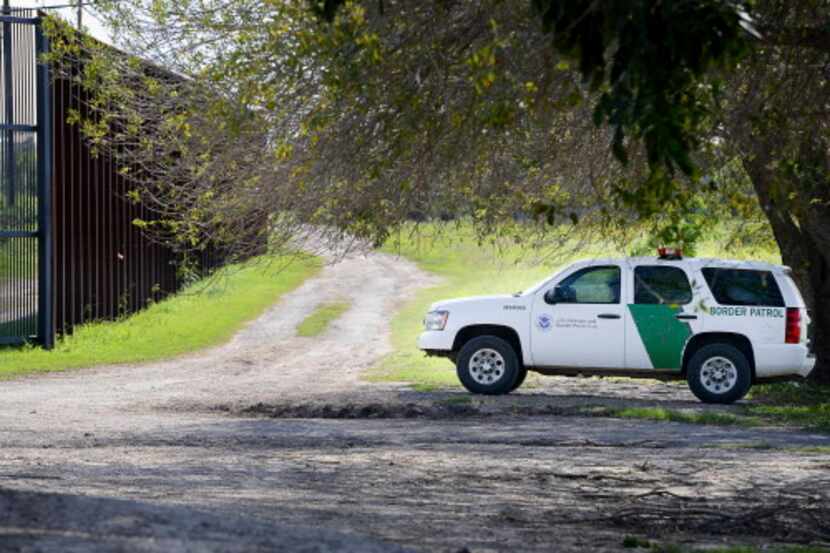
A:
{"x":560,"y":294}
{"x":554,"y":295}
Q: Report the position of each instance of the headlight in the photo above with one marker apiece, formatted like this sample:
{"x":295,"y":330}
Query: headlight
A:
{"x":436,"y":320}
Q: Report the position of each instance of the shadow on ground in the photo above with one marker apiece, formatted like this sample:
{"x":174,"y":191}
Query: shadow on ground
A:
{"x":63,"y":523}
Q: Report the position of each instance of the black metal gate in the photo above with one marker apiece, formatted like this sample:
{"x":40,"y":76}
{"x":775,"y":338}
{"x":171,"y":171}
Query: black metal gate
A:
{"x":25,"y":182}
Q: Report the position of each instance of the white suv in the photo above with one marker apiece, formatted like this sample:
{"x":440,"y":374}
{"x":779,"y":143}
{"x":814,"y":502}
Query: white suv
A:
{"x":721,"y":325}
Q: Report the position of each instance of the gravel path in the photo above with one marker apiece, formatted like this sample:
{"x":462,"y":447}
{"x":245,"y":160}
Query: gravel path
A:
{"x":273,"y":443}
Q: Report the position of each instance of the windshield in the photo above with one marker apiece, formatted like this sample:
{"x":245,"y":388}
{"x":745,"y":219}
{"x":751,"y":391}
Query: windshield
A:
{"x":535,"y":288}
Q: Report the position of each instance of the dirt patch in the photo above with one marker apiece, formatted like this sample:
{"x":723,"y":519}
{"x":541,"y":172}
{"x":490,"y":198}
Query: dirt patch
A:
{"x":551,"y":396}
{"x":496,"y":483}
{"x":358,"y":411}
{"x":272,"y":434}
{"x":427,"y":408}
{"x":796,"y":514}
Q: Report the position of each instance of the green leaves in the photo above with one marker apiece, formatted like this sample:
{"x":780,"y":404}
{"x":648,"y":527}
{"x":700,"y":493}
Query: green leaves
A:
{"x":325,"y":9}
{"x":648,"y":59}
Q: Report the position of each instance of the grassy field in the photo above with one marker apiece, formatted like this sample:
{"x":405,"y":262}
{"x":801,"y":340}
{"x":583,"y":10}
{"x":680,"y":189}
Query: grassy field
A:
{"x":469,"y":268}
{"x":317,"y":323}
{"x":206,"y":314}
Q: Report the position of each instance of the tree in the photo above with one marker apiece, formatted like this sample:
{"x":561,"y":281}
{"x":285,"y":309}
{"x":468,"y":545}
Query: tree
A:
{"x":358,"y":144}
{"x":776,"y":120}
{"x":381,"y":110}
{"x":190,"y":152}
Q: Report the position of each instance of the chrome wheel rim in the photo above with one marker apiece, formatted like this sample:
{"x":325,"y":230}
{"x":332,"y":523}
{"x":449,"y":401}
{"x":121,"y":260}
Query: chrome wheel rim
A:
{"x":486,"y":366}
{"x":718,"y":375}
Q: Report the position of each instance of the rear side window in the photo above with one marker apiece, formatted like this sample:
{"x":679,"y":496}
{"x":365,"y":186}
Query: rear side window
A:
{"x":743,"y":287}
{"x":661,"y":285}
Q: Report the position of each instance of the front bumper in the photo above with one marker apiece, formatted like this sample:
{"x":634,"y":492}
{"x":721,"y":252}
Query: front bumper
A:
{"x":435,"y":340}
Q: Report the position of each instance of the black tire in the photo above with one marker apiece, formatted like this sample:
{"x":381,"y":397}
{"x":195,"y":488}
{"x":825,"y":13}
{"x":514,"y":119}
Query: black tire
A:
{"x":706,"y":380}
{"x":492,"y":358}
{"x":520,"y":379}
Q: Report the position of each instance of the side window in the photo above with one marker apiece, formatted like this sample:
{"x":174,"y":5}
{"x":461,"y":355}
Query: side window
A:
{"x":743,"y":287}
{"x":590,"y":285}
{"x":661,"y":285}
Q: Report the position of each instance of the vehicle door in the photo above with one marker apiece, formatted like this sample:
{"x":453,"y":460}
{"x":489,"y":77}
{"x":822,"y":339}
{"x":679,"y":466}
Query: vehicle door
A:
{"x":660,"y":319}
{"x":579,"y":320}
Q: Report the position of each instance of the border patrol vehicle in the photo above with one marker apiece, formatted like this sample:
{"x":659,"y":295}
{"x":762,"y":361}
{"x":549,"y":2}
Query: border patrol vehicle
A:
{"x":721,"y":325}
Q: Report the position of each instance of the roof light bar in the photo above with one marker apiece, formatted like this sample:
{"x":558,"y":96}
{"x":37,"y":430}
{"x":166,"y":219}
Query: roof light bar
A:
{"x":669,"y":253}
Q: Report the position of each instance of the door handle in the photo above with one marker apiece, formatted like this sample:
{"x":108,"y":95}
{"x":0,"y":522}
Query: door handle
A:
{"x":608,"y":316}
{"x":686,"y":317}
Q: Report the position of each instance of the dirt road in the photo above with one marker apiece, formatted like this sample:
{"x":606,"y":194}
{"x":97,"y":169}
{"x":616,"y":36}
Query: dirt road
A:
{"x":272,"y":442}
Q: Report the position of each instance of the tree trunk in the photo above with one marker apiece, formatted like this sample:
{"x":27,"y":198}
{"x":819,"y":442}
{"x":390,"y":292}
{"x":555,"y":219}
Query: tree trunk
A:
{"x":812,"y":274}
{"x":805,"y":247}
{"x":820,"y":313}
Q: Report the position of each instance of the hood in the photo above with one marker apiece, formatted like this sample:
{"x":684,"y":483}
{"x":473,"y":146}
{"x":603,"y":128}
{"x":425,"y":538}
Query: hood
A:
{"x":475,"y":301}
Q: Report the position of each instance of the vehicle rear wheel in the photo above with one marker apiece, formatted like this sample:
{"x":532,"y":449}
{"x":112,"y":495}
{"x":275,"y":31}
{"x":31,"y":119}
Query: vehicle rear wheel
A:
{"x":488,"y":365}
{"x":719,"y":373}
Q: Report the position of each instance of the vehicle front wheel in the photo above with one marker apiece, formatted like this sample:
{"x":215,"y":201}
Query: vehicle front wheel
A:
{"x":488,"y":365}
{"x":719,"y":373}
{"x":520,"y":380}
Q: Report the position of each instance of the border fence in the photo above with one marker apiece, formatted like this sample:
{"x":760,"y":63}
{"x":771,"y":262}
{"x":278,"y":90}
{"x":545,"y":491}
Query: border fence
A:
{"x":69,"y":251}
{"x":25,"y":183}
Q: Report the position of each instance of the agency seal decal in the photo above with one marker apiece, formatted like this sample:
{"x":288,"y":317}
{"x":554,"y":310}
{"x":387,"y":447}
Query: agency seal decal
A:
{"x":544,"y":322}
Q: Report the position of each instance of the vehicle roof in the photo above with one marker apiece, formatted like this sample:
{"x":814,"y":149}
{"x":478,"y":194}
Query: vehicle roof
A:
{"x":692,"y":262}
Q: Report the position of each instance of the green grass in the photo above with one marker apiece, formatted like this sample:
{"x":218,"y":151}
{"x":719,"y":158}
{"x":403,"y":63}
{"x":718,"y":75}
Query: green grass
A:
{"x":689,"y":417}
{"x":815,"y":417}
{"x":470,"y":268}
{"x":802,"y":404}
{"x":206,"y":314}
{"x":812,"y":450}
{"x":758,"y":446}
{"x":795,"y":404}
{"x":792,"y":393}
{"x":317,"y":323}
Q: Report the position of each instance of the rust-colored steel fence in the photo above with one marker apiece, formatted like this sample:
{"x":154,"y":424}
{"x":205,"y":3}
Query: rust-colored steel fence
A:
{"x":69,"y":251}
{"x":104,"y":265}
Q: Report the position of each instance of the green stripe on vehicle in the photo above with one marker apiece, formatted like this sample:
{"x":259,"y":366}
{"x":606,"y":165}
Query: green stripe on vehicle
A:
{"x":663,"y":335}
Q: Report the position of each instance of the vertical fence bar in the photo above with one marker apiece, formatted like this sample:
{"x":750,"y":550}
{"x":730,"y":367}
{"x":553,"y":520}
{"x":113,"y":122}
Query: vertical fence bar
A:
{"x":8,"y":75}
{"x":46,"y":323}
